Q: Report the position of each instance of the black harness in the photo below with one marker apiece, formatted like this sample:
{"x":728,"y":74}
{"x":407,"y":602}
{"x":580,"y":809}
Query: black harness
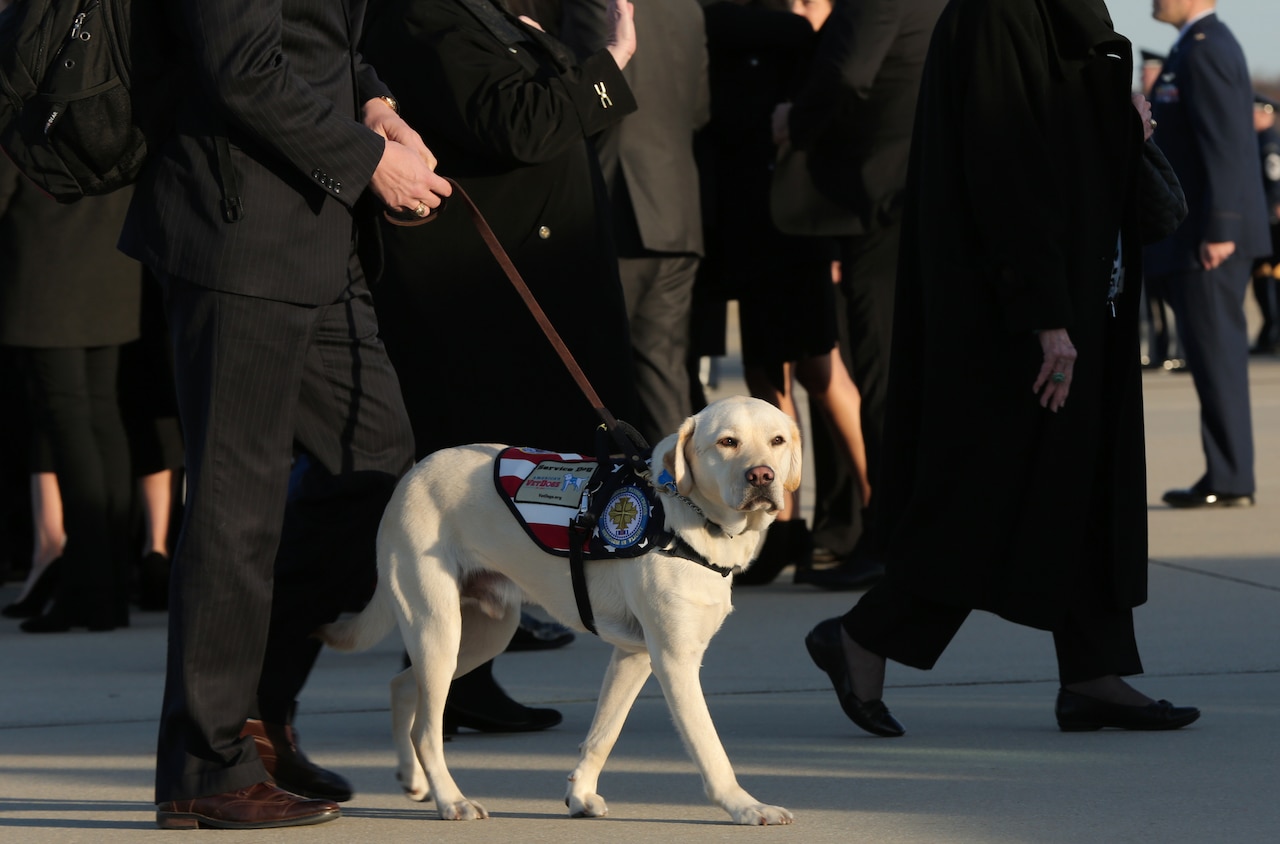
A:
{"x":597,"y":523}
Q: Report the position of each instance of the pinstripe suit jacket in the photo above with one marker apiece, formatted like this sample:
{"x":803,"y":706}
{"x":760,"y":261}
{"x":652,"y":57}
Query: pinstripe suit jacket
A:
{"x":283,"y":82}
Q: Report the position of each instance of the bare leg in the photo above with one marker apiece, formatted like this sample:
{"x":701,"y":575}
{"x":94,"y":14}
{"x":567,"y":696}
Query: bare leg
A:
{"x":783,"y":398}
{"x":157,"y":503}
{"x":46,"y":513}
{"x":827,"y":380}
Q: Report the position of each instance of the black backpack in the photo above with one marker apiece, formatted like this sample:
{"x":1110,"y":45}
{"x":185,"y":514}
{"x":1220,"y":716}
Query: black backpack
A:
{"x":84,"y":88}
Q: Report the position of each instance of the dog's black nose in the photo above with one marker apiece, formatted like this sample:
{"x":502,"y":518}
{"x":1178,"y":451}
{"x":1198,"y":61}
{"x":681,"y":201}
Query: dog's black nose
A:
{"x":760,"y":476}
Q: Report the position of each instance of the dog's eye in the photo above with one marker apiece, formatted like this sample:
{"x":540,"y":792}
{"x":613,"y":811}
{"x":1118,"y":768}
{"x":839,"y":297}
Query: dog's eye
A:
{"x":728,"y":442}
{"x":779,"y":440}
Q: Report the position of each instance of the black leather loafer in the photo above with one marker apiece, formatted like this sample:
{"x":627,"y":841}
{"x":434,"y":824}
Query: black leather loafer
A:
{"x":827,"y":653}
{"x":1188,"y":498}
{"x":1078,"y":713}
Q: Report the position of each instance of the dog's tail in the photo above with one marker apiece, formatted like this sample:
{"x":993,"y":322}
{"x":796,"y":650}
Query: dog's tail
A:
{"x":361,"y":632}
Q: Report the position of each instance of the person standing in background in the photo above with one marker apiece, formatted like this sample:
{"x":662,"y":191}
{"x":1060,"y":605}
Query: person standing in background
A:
{"x":853,"y":116}
{"x":1203,"y":103}
{"x":68,"y":302}
{"x":1266,"y":270}
{"x":648,"y":166}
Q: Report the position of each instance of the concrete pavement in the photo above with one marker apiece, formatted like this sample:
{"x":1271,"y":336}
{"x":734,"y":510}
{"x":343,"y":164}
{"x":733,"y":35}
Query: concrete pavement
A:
{"x":982,"y":761}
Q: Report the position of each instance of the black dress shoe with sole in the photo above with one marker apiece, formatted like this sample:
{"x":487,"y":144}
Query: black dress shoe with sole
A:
{"x":514,"y":718}
{"x":60,"y":619}
{"x":260,"y":806}
{"x":827,"y":652}
{"x":1079,"y":713}
{"x":1183,"y":499}
{"x":289,"y":767}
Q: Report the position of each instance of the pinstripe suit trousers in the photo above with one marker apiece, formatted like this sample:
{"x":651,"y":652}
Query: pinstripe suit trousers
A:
{"x":260,"y":562}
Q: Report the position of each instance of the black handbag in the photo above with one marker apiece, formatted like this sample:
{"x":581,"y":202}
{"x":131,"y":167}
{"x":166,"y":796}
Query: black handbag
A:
{"x":1161,"y":204}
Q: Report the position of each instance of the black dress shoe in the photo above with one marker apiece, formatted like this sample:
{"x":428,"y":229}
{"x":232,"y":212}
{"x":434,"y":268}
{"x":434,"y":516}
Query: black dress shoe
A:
{"x":153,"y":582}
{"x":533,"y":634}
{"x":848,"y":575}
{"x":260,"y":806}
{"x":503,"y":717}
{"x":60,"y":619}
{"x":1079,"y":713}
{"x":289,"y":767}
{"x":477,"y":702}
{"x":1188,"y":498}
{"x":827,"y":653}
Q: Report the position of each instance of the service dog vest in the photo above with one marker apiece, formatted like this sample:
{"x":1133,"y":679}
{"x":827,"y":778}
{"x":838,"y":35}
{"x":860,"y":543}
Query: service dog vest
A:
{"x":547,"y":492}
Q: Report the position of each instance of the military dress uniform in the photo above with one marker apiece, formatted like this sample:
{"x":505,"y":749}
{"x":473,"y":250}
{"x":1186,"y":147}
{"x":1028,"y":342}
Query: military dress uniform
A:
{"x":1266,"y":270}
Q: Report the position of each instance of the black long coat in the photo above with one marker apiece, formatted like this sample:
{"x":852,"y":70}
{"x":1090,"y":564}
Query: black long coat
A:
{"x":63,"y":284}
{"x":507,"y":114}
{"x":1021,"y":175}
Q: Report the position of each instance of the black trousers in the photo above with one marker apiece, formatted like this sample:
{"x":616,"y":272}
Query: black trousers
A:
{"x":81,"y":437}
{"x":659,"y":294}
{"x":898,"y":625}
{"x":1209,"y":308}
{"x":256,"y":568}
{"x":869,"y":270}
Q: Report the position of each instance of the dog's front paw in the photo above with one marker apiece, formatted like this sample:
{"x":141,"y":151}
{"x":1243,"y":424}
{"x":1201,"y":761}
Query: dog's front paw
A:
{"x":463,"y":810}
{"x":761,"y":814}
{"x":586,"y":806}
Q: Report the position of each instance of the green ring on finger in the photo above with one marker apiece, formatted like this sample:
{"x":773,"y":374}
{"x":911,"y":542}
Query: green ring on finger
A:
{"x":1059,"y":377}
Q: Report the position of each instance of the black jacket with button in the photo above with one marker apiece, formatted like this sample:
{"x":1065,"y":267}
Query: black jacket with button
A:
{"x":288,"y":98}
{"x":507,"y":112}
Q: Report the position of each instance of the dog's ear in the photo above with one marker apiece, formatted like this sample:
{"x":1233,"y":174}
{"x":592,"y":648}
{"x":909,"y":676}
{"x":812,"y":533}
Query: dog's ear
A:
{"x":676,"y":461}
{"x":795,"y":454}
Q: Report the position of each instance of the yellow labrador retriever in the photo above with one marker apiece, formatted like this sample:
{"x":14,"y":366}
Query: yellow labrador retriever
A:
{"x":454,"y":565}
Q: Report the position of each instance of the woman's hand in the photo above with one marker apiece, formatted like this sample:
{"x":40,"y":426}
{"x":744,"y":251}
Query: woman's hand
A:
{"x":1055,"y":372}
{"x":1144,"y":111}
{"x":622,"y":31}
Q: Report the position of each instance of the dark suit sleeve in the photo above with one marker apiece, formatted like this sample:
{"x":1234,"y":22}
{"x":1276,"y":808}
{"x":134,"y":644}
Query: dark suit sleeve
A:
{"x":854,"y":42}
{"x":240,"y":62}
{"x":1215,"y":119}
{"x":498,"y":105}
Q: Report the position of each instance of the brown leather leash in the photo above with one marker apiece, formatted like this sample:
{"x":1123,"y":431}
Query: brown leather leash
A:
{"x":611,"y":423}
{"x":624,"y":435}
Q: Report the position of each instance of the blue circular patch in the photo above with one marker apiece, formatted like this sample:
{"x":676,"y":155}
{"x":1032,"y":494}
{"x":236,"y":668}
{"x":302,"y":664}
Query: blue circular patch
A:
{"x":625,"y":517}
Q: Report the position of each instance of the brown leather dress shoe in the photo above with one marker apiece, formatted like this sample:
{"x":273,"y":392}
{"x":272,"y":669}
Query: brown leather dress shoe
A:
{"x":260,"y":806}
{"x":289,"y":767}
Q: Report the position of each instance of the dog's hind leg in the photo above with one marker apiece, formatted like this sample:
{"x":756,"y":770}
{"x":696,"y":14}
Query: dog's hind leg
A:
{"x":432,"y":635}
{"x":623,"y":681}
{"x":676,"y":666}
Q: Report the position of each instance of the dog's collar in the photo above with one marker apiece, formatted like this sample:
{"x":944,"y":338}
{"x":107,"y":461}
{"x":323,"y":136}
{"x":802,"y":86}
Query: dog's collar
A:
{"x":666,"y":485}
{"x":677,"y":547}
